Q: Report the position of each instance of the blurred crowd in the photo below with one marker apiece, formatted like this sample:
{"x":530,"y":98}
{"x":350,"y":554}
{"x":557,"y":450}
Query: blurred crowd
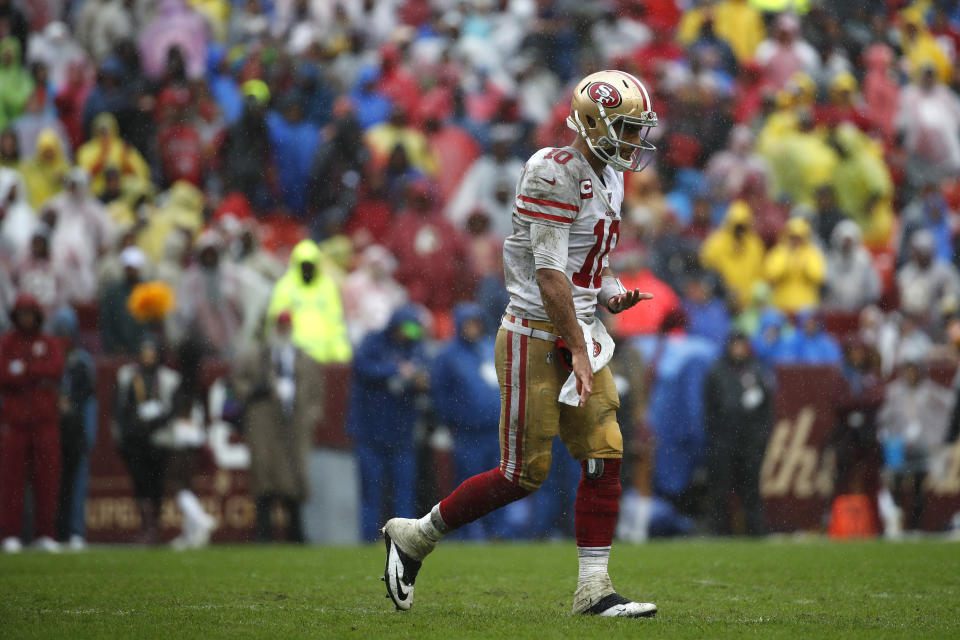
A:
{"x":287,"y":184}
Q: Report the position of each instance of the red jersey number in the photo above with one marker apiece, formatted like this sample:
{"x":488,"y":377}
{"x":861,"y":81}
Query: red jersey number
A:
{"x":590,"y":274}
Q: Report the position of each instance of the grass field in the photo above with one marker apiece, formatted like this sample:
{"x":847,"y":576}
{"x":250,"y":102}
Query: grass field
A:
{"x":704,"y":589}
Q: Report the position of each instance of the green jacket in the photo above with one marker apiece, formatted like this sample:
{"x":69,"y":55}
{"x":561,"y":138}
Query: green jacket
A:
{"x":316,"y":309}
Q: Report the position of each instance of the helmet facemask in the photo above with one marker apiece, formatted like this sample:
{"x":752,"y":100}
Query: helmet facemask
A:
{"x":613,"y":141}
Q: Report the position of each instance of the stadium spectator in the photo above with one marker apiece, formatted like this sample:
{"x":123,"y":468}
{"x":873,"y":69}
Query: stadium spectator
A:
{"x":466,"y":399}
{"x":926,"y":281}
{"x":853,"y":282}
{"x":31,"y":368}
{"x":786,"y":52}
{"x":795,"y":268}
{"x":18,"y":224}
{"x":912,"y":425}
{"x":281,"y":390}
{"x":738,"y":416}
{"x":371,"y":295}
{"x":929,"y":118}
{"x":44,"y":173}
{"x":245,"y":156}
{"x":773,"y":341}
{"x":37,"y":275}
{"x":80,"y":235}
{"x":316,"y":307}
{"x":107,"y":149}
{"x":929,"y":210}
{"x":120,"y":332}
{"x":679,"y":364}
{"x":488,"y":184}
{"x":735,"y":252}
{"x":431,"y":253}
{"x":389,"y":372}
{"x":855,"y":435}
{"x":635,"y":274}
{"x":295,"y":142}
{"x":862,"y":183}
{"x":144,"y":398}
{"x":336,"y":186}
{"x":811,"y":344}
{"x":17,"y":83}
{"x":78,"y":430}
{"x":211,"y":298}
{"x":706,"y":312}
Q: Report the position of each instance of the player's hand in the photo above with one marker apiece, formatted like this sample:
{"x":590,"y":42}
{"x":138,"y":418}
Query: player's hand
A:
{"x":624,"y":301}
{"x":584,"y":374}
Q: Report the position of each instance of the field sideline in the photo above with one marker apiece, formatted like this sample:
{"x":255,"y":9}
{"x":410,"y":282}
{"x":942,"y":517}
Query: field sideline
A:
{"x":705,"y":589}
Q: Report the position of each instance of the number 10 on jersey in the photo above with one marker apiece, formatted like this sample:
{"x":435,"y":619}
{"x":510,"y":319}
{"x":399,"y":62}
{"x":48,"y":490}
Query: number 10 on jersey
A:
{"x":590,"y":274}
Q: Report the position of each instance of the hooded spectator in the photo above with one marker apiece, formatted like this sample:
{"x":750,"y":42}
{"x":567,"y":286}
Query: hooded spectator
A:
{"x":795,"y":269}
{"x":16,"y":82}
{"x":247,"y":153}
{"x":389,"y":372}
{"x":371,"y":295}
{"x":706,"y":312}
{"x":466,"y":398}
{"x":773,"y":342}
{"x":107,"y":149}
{"x":929,"y":118}
{"x":811,"y":344}
{"x":45,"y":172}
{"x":738,"y":414}
{"x":926,"y":281}
{"x":735,"y":252}
{"x":316,"y":307}
{"x":212,"y":298}
{"x":31,"y":369}
{"x":863,"y":185}
{"x":78,"y":430}
{"x":881,"y":90}
{"x":37,"y":274}
{"x":175,"y":26}
{"x":295,"y":142}
{"x":853,"y":281}
{"x":787,"y":52}
{"x":927,"y":210}
{"x":17,"y":220}
{"x":81,"y":235}
{"x":180,"y":147}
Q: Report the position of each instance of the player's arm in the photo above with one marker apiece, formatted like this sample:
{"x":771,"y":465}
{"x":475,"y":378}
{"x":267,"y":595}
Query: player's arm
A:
{"x":615,"y":297}
{"x":549,"y":245}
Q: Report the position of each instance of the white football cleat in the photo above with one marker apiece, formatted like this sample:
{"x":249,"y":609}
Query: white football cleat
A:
{"x":598,"y":598}
{"x":77,"y":543}
{"x":406,"y":548}
{"x":12,"y":545}
{"x":47,"y":544}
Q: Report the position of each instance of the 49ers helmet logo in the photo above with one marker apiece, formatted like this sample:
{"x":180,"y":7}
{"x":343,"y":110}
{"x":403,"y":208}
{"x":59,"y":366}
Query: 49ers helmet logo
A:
{"x":605,"y":94}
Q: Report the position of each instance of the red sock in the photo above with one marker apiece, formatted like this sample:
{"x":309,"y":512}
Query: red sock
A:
{"x":597,"y":505}
{"x":478,"y":496}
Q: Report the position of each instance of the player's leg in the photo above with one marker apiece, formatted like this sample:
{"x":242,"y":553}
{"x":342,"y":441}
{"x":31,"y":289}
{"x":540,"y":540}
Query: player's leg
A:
{"x":529,"y":385}
{"x":593,"y":437}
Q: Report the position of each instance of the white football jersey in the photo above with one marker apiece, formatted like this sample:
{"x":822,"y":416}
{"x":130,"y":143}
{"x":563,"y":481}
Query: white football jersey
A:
{"x":559,"y":188}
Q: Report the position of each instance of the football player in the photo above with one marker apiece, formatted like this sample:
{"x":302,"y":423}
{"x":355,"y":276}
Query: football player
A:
{"x":566,"y":219}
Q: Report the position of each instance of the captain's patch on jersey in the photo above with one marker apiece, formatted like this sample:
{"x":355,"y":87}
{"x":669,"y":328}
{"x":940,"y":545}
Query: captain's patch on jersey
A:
{"x":586,"y":189}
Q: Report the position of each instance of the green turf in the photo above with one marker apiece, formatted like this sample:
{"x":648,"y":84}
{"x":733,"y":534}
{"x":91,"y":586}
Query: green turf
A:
{"x":704,"y":590}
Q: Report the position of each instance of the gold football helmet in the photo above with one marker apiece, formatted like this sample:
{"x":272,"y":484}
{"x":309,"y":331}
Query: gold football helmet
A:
{"x":611,"y":110}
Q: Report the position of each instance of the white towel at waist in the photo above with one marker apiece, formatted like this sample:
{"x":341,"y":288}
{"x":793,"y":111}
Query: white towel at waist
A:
{"x":600,"y":349}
